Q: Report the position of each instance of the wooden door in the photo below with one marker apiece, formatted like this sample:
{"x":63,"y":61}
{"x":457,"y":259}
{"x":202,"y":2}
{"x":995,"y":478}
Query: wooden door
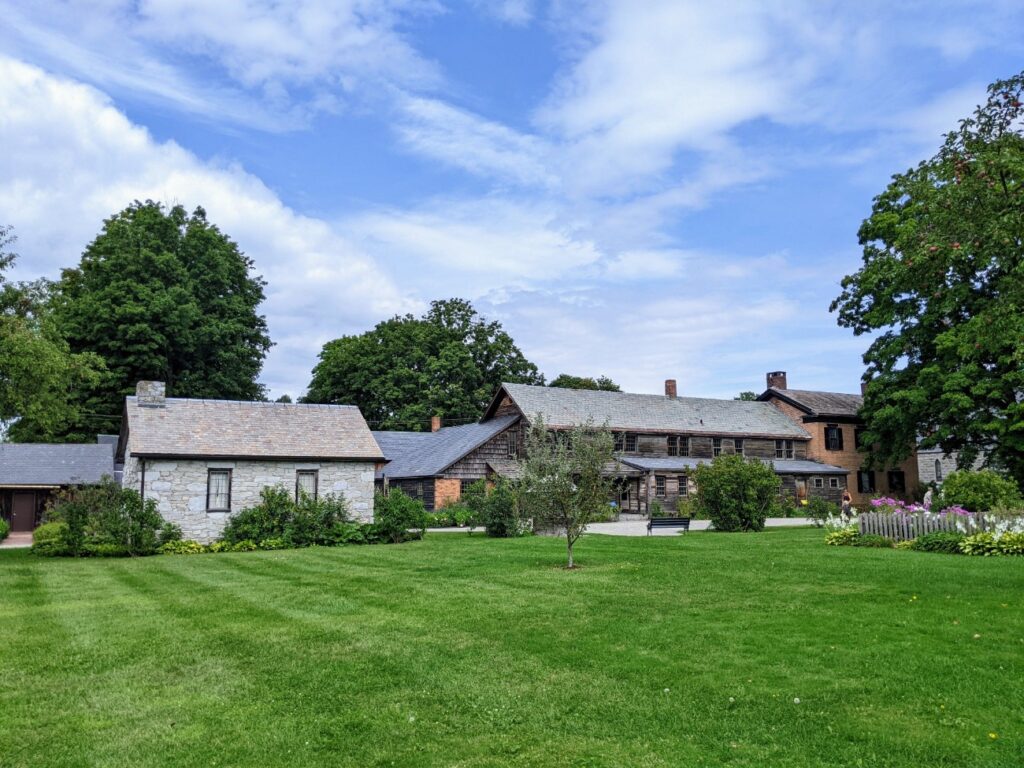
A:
{"x":801,"y":490}
{"x":23,"y":512}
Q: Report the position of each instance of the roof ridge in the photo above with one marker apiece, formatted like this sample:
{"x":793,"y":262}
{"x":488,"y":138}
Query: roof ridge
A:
{"x":261,"y":403}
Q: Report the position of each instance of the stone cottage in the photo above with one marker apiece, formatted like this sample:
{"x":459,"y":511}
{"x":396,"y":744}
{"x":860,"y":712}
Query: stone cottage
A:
{"x":203,"y":460}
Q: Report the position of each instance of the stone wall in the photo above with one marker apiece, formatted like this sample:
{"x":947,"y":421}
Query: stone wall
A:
{"x":179,"y":488}
{"x":926,"y":465}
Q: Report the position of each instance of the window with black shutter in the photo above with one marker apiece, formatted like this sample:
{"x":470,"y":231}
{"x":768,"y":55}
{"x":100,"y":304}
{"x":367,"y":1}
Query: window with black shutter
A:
{"x":833,"y":437}
{"x":866,"y":481}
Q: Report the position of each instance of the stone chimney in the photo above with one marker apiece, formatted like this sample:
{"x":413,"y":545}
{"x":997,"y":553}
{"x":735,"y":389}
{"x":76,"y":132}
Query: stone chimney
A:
{"x":151,"y":394}
{"x":776,"y":380}
{"x":670,"y":387}
{"x":435,"y":423}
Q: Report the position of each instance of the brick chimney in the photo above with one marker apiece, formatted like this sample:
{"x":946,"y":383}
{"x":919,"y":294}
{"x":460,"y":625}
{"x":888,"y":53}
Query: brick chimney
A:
{"x":863,"y":388}
{"x":435,"y":423}
{"x":776,"y":380}
{"x":151,"y":394}
{"x":670,"y":387}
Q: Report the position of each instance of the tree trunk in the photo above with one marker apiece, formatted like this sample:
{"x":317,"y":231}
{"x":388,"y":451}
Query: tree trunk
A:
{"x":568,"y":542}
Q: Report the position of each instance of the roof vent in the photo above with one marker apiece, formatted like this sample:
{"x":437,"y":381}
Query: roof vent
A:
{"x":151,"y":394}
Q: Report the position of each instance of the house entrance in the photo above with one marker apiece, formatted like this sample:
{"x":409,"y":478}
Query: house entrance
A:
{"x":23,"y":512}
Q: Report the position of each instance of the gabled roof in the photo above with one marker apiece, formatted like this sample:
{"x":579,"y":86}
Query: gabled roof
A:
{"x":427,"y":454}
{"x":624,"y":411}
{"x":683,"y":463}
{"x":45,"y":464}
{"x":209,"y":429}
{"x":818,"y":403}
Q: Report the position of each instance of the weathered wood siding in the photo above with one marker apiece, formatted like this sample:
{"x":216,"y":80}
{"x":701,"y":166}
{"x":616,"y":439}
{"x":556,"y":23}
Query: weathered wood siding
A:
{"x":473,"y":466}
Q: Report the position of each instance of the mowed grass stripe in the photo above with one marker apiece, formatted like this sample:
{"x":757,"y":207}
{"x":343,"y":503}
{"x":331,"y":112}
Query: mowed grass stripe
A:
{"x":467,"y":651}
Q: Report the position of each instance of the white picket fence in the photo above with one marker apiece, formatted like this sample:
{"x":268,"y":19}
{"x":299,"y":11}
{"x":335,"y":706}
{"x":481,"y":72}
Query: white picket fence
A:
{"x":910,"y":526}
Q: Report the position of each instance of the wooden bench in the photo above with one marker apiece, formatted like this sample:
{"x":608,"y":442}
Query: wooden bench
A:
{"x":668,"y":522}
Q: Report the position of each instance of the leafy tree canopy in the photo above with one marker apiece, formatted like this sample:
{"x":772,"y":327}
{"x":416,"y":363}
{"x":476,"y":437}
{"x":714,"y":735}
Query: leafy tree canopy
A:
{"x":748,"y":395}
{"x":449,"y":362}
{"x":37,"y":370}
{"x":942,"y":290}
{"x":161,"y":294}
{"x":568,"y":381}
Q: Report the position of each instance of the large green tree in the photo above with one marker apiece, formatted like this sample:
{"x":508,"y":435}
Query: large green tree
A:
{"x":568,"y":381}
{"x":449,"y":363}
{"x":942,"y":287}
{"x":162,"y":294}
{"x":38,"y":373}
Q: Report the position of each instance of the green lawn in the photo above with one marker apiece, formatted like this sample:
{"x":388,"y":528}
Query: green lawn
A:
{"x":464,"y":651}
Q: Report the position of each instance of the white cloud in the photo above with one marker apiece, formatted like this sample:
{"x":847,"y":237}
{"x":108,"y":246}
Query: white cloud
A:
{"x":255,"y":63}
{"x":517,"y":12}
{"x":70,"y":159}
{"x":464,"y":140}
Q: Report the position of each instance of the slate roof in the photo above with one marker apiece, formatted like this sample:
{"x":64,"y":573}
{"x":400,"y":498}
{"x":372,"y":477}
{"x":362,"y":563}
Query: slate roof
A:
{"x":44,"y":464}
{"x":428,"y":454}
{"x":683,"y":463}
{"x":240,"y":429}
{"x":820,"y":403}
{"x":651,"y":413}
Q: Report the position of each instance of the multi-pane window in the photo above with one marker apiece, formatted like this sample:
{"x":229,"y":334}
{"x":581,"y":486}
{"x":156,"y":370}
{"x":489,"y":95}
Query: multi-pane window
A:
{"x":307,"y":482}
{"x":833,"y":482}
{"x":737,"y":445}
{"x":897,"y":481}
{"x":783,"y":449}
{"x":620,"y":441}
{"x":716,"y":446}
{"x":833,"y":437}
{"x":510,"y":445}
{"x":678,"y":446}
{"x":659,"y":486}
{"x":866,"y":481}
{"x":630,"y":443}
{"x":684,"y":489}
{"x":218,"y":490}
{"x":818,"y":482}
{"x":464,"y":486}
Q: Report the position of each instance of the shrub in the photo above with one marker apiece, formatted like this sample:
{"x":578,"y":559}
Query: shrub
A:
{"x":271,"y":544}
{"x":106,"y":520}
{"x":501,"y":512}
{"x":819,"y":510}
{"x":182,"y":547}
{"x":265,"y":520}
{"x":940,"y":541}
{"x":4,"y":529}
{"x":905,"y":544}
{"x":980,"y":491}
{"x":219,"y":546}
{"x":983,"y":544}
{"x":436,"y":520}
{"x":1011,"y":543}
{"x":395,"y":515}
{"x":873,"y":540}
{"x":842,"y":537}
{"x":684,"y":507}
{"x":351,"y":533}
{"x":51,"y":540}
{"x":736,"y":493}
{"x":278,"y":516}
{"x":246,"y":545}
{"x":657,"y":509}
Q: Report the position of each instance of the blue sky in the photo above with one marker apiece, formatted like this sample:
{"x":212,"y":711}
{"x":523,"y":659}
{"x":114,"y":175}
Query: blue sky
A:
{"x":640,"y":190}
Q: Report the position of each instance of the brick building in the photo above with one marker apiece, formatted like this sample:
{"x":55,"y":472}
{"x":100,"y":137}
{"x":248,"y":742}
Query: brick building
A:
{"x":833,"y":422}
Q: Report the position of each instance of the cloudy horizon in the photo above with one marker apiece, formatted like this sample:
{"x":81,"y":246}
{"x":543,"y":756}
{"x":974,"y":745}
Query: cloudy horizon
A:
{"x":671,"y":191}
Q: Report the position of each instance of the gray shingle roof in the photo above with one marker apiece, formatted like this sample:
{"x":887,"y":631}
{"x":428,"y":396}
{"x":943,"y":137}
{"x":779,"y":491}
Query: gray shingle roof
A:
{"x":682,"y":463}
{"x":426,"y":454}
{"x":239,"y":429}
{"x":822,"y":403}
{"x":44,"y":464}
{"x":653,"y":413}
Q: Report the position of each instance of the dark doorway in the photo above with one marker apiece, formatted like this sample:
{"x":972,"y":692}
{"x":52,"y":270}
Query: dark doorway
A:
{"x":23,"y":512}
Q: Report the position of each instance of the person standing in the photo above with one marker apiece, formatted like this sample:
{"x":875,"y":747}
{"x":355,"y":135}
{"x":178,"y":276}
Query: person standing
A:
{"x":847,"y":503}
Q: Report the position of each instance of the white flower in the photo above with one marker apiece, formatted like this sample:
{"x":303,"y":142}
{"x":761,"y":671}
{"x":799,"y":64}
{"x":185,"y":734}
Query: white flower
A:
{"x":796,"y":701}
